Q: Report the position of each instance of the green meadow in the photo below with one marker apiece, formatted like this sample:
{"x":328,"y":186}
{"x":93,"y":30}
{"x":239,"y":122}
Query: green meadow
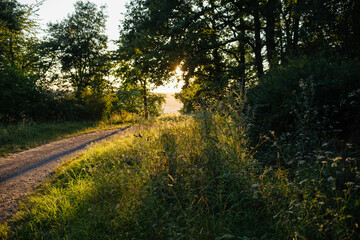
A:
{"x":186,"y":177}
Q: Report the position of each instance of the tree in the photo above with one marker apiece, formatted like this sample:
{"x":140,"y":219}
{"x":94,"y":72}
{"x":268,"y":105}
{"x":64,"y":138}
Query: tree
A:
{"x":18,"y":41}
{"x":10,"y":14}
{"x":225,"y":43}
{"x":80,"y":44}
{"x":21,"y":96}
{"x":140,"y":51}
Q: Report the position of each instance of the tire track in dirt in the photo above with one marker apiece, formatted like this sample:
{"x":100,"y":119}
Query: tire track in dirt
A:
{"x":22,"y":172}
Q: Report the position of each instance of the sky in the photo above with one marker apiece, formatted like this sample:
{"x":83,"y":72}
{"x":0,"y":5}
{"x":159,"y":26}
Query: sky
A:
{"x":57,"y":10}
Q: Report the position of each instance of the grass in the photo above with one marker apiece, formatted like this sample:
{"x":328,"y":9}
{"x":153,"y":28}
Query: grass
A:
{"x":20,"y":137}
{"x":181,"y":177}
{"x":160,"y":185}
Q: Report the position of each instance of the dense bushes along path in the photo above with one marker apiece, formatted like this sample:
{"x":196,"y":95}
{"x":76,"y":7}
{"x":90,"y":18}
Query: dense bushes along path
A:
{"x":21,"y":172}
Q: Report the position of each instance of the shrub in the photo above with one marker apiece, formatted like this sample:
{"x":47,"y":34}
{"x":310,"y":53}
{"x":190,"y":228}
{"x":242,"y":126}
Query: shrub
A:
{"x":98,"y":104}
{"x":130,"y":99}
{"x":318,"y":95}
{"x":21,"y":98}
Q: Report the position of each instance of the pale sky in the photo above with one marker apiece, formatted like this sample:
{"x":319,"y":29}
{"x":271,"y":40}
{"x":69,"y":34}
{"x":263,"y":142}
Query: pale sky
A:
{"x":57,"y":10}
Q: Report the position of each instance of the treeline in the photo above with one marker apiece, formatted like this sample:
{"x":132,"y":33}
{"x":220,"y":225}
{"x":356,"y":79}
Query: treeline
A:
{"x":66,"y":74}
{"x":293,"y":61}
{"x":290,"y":60}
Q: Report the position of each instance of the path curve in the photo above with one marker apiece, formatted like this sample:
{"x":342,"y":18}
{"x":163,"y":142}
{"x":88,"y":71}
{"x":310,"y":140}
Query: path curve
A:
{"x":22,"y":172}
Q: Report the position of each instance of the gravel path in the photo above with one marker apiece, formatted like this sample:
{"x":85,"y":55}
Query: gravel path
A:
{"x":22,"y":172}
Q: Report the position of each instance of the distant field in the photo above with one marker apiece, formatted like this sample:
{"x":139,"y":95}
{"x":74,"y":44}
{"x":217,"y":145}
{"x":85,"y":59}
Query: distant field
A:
{"x":171,"y":105}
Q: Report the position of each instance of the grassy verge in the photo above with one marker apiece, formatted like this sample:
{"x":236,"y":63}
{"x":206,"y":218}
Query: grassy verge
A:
{"x":187,"y":178}
{"x":24,"y":136}
{"x":161,"y":184}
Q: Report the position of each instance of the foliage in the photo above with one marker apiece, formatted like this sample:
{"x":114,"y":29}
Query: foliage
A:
{"x":98,"y":104}
{"x":10,"y":14}
{"x":18,"y":40}
{"x":25,"y":100}
{"x":218,"y":43}
{"x":80,"y":44}
{"x":272,"y":153}
{"x":156,"y":102}
{"x":318,"y":96}
{"x":130,"y":99}
{"x":21,"y":98}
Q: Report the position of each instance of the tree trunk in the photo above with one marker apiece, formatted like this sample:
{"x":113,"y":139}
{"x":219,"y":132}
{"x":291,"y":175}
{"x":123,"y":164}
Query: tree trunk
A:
{"x":296,"y":25}
{"x":11,"y":50}
{"x":270,"y":15}
{"x":145,"y":99}
{"x":219,"y":84}
{"x":257,"y":47}
{"x":242,"y":67}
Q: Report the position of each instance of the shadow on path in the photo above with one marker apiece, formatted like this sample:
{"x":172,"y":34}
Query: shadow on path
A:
{"x":22,"y":172}
{"x":52,"y":158}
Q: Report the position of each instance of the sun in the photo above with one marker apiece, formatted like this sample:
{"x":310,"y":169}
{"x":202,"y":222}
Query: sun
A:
{"x":174,"y":85}
{"x":178,"y":72}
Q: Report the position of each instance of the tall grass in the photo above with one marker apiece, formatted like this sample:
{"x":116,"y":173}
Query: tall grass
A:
{"x":189,"y":178}
{"x":163,"y":182}
{"x":14,"y":138}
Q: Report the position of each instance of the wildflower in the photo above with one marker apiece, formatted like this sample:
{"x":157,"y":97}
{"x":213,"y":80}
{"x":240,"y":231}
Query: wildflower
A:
{"x":352,"y":94}
{"x":321,"y":203}
{"x":324,"y":162}
{"x":334,"y":165}
{"x":305,"y":180}
{"x":320,"y":157}
{"x":349,"y":184}
{"x":266,"y":137}
{"x":337,"y":159}
{"x":330,"y":179}
{"x":349,"y":145}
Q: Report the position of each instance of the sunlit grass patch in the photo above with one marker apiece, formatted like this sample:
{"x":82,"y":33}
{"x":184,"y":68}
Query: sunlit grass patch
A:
{"x":24,"y":136}
{"x":181,"y":177}
{"x":159,"y":182}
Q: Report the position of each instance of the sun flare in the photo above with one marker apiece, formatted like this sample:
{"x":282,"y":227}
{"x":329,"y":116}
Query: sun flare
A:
{"x":178,"y":72}
{"x":175,"y":83}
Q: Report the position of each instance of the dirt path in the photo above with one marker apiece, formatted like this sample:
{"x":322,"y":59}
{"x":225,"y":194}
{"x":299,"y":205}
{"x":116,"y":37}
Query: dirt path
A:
{"x":22,"y":172}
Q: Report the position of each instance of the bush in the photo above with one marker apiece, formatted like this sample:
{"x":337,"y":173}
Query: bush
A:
{"x":98,"y":104}
{"x":319,"y":95}
{"x":21,"y":98}
{"x":130,"y":99}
